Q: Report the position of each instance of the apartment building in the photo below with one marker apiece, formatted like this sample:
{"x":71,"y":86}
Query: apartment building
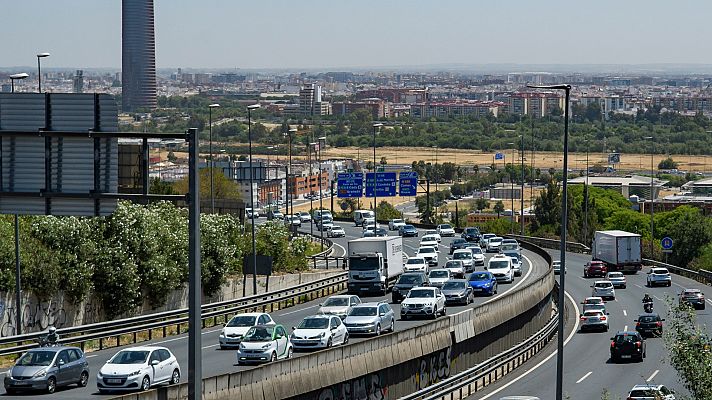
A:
{"x":456,"y":108}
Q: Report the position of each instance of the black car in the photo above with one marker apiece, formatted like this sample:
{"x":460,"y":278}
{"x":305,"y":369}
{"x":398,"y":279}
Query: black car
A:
{"x":471,"y":234}
{"x":457,"y":244}
{"x":649,"y":324}
{"x":627,"y":346}
{"x":408,"y":231}
{"x":406,"y":282}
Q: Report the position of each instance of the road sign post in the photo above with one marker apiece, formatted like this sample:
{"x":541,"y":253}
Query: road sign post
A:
{"x":408,"y":183}
{"x":666,"y":243}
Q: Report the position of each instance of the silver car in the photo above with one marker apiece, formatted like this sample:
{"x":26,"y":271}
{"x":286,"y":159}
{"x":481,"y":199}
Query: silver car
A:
{"x":617,"y":279}
{"x":370,"y":318}
{"x":594,"y":320}
{"x":47,"y":368}
{"x":339,"y":305}
{"x":603,"y":289}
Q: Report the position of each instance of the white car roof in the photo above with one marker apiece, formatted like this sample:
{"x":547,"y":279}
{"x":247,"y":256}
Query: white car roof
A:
{"x":145,"y":348}
{"x":603,"y":281}
{"x":660,"y":269}
{"x":249,"y":314}
{"x":342,"y":296}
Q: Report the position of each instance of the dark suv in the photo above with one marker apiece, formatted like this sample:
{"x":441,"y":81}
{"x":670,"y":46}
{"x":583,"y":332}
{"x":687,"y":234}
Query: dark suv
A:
{"x":471,"y":235}
{"x":649,"y":323}
{"x":627,"y":345}
{"x":457,"y":244}
{"x":595,"y":268}
{"x":406,"y":282}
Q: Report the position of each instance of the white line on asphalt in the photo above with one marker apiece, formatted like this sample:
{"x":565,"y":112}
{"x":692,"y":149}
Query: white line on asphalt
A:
{"x":625,"y":313}
{"x":342,"y":248}
{"x":709,"y":301}
{"x":584,"y":377}
{"x":212,"y":345}
{"x":652,"y":376}
{"x":571,"y":335}
{"x":638,"y":285}
{"x":301,"y":309}
{"x":625,"y":329}
{"x":658,"y":298}
{"x":90,"y":356}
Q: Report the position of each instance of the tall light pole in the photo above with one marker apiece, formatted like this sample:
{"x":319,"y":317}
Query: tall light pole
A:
{"x":39,"y":71}
{"x":376,"y":127}
{"x":521,"y":196}
{"x":290,"y":196}
{"x":511,"y":191}
{"x":322,"y":143}
{"x":16,"y":77}
{"x":311,"y":192}
{"x":435,"y":167}
{"x":585,"y":198}
{"x":211,"y":166}
{"x":531,"y":189}
{"x":652,"y":196}
{"x":252,"y":196}
{"x":564,"y":218}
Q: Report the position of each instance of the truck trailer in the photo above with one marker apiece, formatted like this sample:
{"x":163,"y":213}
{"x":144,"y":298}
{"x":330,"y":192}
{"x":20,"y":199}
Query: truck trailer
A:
{"x":375,"y":263}
{"x":620,"y":250}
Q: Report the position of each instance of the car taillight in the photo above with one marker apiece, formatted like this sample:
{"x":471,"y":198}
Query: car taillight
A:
{"x":637,"y":324}
{"x":637,"y":344}
{"x":660,"y":323}
{"x":613,"y":344}
{"x":583,"y":318}
{"x":603,"y":318}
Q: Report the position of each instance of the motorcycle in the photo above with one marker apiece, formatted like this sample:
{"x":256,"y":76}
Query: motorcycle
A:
{"x":46,"y":341}
{"x":648,"y":306}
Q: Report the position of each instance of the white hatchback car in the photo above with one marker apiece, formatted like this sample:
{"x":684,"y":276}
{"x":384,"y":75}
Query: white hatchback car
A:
{"x":232,"y":333}
{"x":446,"y":230}
{"x":658,"y":276}
{"x":339,"y":305}
{"x":465,"y":255}
{"x":435,"y":233}
{"x":319,"y":332}
{"x":264,"y":343}
{"x":429,"y":254}
{"x":603,"y":289}
{"x":438,"y":276}
{"x":138,"y":368}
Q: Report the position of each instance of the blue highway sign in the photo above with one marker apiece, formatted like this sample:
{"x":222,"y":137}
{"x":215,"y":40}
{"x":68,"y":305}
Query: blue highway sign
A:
{"x":666,"y":243}
{"x":385,"y":184}
{"x":349,"y":185}
{"x":408,"y":183}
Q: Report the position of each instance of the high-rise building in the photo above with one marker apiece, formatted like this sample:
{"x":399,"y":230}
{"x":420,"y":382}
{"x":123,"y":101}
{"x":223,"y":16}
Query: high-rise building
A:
{"x":78,"y":81}
{"x":310,"y":102}
{"x":138,"y":65}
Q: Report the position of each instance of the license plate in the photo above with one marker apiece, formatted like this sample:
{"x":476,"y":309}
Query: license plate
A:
{"x":476,"y":290}
{"x":113,"y":381}
{"x":625,"y":356}
{"x":364,"y":289}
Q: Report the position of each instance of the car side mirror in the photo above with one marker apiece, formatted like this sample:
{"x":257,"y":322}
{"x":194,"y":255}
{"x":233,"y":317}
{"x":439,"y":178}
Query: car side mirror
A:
{"x":635,"y":320}
{"x":294,"y":328}
{"x":321,"y":305}
{"x":591,"y":285}
{"x":663,"y":319}
{"x":613,"y":338}
{"x":60,"y":362}
{"x":608,"y":313}
{"x":155,"y":362}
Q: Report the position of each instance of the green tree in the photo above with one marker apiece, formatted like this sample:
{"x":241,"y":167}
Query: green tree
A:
{"x":499,"y":207}
{"x":481,"y":203}
{"x":223,"y":187}
{"x":547,"y":207}
{"x":667,"y":163}
{"x":690,"y":231}
{"x":386,"y":211}
{"x":158,"y":186}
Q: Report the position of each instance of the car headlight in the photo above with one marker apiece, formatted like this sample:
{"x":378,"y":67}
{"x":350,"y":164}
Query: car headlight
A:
{"x":222,"y":332}
{"x":40,"y":373}
{"x":8,"y":373}
{"x":137,"y":372}
{"x":404,"y":305}
{"x":98,"y":375}
{"x":267,"y":346}
{"x":242,"y":346}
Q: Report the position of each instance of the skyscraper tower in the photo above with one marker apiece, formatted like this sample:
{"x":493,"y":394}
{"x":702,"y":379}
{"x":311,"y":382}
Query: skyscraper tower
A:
{"x":138,"y":45}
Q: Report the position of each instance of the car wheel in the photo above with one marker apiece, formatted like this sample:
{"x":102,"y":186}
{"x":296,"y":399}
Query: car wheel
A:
{"x":145,"y":383}
{"x":614,"y":359}
{"x":404,"y":317}
{"x":175,"y":377}
{"x":393,"y":325}
{"x":471,"y":299}
{"x":290,"y":351}
{"x":274,"y":357}
{"x":435,"y":312}
{"x":51,"y":385}
{"x":496,"y":288}
{"x":329,"y":343}
{"x":703,"y":307}
{"x":12,"y":392}
{"x":83,"y":379}
{"x":669,"y":284}
{"x":444,"y":312}
{"x":378,"y":329}
{"x":623,"y":287}
{"x":346,"y":338}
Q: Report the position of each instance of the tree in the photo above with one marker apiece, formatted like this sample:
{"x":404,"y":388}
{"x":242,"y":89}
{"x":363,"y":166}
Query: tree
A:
{"x":383,"y":161}
{"x":172,"y":157}
{"x":667,"y":163}
{"x":547,"y":207}
{"x":386,"y":211}
{"x":223,"y":187}
{"x":159,"y":186}
{"x":481,"y":203}
{"x":499,"y":207}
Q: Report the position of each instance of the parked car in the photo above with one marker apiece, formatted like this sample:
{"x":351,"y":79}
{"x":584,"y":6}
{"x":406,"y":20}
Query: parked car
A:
{"x":138,"y":368}
{"x":617,"y":279}
{"x":416,"y":264}
{"x":465,"y":256}
{"x":408,"y":231}
{"x":336,"y":232}
{"x":595,"y":269}
{"x":693,"y":297}
{"x":658,"y":276}
{"x":627,"y":345}
{"x":264,"y":343}
{"x":233,"y":331}
{"x":650,"y":392}
{"x":46,"y":369}
{"x":457,"y":291}
{"x":456,"y":268}
{"x":406,"y":282}
{"x":501,"y":267}
{"x":425,"y":301}
{"x":594,"y":303}
{"x":429,"y":254}
{"x":493,"y":244}
{"x":446,"y":230}
{"x":484,"y":239}
{"x":457,"y":243}
{"x":438,"y":276}
{"x":649,"y":324}
{"x":603,"y":289}
{"x":370,"y":318}
{"x":556,"y":265}
{"x":339,"y":305}
{"x":471,"y":234}
{"x":483,"y":282}
{"x":593,"y":320}
{"x":395,"y":224}
{"x":319,"y":332}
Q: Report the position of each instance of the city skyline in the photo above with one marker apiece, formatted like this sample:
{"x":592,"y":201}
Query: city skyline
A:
{"x":319,"y":34}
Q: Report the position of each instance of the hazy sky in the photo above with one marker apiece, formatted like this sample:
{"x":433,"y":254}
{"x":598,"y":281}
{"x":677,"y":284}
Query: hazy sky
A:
{"x":343,"y":33}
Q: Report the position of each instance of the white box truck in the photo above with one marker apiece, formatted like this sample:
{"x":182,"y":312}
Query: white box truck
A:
{"x":620,"y":250}
{"x":375,"y":263}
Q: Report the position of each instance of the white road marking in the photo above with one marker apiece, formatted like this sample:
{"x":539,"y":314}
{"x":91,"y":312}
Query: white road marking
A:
{"x":709,"y":301}
{"x":90,"y":356}
{"x":212,"y":345}
{"x":584,"y":377}
{"x":542,"y":362}
{"x":625,"y":313}
{"x":625,"y":329}
{"x":638,"y":286}
{"x":652,"y":376}
{"x":301,"y":309}
{"x":658,"y":298}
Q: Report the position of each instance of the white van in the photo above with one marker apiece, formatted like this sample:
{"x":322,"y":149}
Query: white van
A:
{"x":361,"y":215}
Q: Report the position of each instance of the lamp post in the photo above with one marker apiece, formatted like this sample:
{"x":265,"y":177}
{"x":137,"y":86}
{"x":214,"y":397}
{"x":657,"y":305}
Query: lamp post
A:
{"x":511,"y":191}
{"x":212,"y":163}
{"x":435,"y":167}
{"x":585,"y":198}
{"x":252,"y":196}
{"x":290,"y":196}
{"x":311,"y":192}
{"x":521,"y":196}
{"x":322,"y":142}
{"x":564,"y":218}
{"x":16,"y":77}
{"x":39,"y":71}
{"x":376,"y":127}
{"x":652,"y":196}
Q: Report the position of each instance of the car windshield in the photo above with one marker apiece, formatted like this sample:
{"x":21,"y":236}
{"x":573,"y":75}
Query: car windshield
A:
{"x":475,"y":250}
{"x":445,"y":226}
{"x":615,"y":274}
{"x":495,"y":240}
{"x":512,"y":254}
{"x":130,"y":357}
{"x":363,"y":312}
{"x":603,"y":284}
{"x":429,"y":239}
{"x":36,"y":359}
{"x":648,"y":318}
{"x":397,"y":221}
{"x":426,"y":250}
{"x":462,"y":256}
{"x":410,"y":279}
{"x":498,"y":264}
{"x":471,"y":230}
{"x":430,"y":232}
{"x":314,"y":323}
{"x":651,"y":393}
{"x":509,"y":246}
{"x":594,"y":301}
{"x":417,"y":261}
{"x":661,"y":271}
{"x":408,"y":227}
{"x":453,"y":264}
{"x":421,"y":294}
{"x":592,"y":313}
{"x":454,"y":285}
{"x":479,"y":276}
{"x":336,"y":302}
{"x":458,"y":241}
{"x":439,"y":274}
{"x":242,"y":320}
{"x":625,"y":338}
{"x":259,"y":334}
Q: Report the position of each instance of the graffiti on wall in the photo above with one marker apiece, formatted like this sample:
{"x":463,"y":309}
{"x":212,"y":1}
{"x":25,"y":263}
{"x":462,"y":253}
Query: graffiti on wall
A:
{"x":35,"y":317}
{"x":369,"y":387}
{"x":433,"y":368}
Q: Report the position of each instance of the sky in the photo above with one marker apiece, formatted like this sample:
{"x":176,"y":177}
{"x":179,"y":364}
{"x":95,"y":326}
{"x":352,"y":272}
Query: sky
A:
{"x":364,"y":33}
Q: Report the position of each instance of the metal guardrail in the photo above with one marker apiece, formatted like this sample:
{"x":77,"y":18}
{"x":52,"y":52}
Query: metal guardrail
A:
{"x":474,"y":379}
{"x":573,"y":247}
{"x":148,"y":323}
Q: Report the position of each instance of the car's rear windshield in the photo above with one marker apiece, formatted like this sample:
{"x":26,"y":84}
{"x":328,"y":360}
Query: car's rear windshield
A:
{"x":363,"y":312}
{"x":336,"y":302}
{"x":454,"y":285}
{"x":479,"y":276}
{"x":462,"y":256}
{"x":410,"y":279}
{"x":242,"y":320}
{"x":648,"y":318}
{"x":603,"y":284}
{"x":453,"y":264}
{"x":439,"y":274}
{"x":415,"y":261}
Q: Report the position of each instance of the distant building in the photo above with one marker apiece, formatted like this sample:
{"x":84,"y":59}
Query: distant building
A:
{"x":535,"y":104}
{"x":377,"y":107}
{"x":138,"y":45}
{"x":310,"y":101}
{"x":78,"y":81}
{"x":627,"y":186}
{"x":396,"y":95}
{"x":450,"y":109}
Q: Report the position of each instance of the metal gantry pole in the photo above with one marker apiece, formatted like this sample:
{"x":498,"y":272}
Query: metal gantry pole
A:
{"x":252,"y":200}
{"x":195,"y":373}
{"x":321,"y":202}
{"x":311,"y":192}
{"x":18,"y":279}
{"x":652,"y":201}
{"x":521,"y":196}
{"x":585,"y":199}
{"x":375,"y":192}
{"x":212,"y":164}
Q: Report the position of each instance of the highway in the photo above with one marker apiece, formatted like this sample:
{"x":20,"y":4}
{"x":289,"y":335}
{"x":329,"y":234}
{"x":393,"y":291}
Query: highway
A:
{"x":587,"y":366}
{"x":216,"y":361}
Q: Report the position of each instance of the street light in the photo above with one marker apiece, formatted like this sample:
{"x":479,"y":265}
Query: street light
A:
{"x":39,"y":71}
{"x":521,"y":197}
{"x":252,"y":196}
{"x":564,"y":218}
{"x":322,"y":143}
{"x":212,"y":163}
{"x":290,"y":196}
{"x":16,"y":77}
{"x":511,"y":192}
{"x":376,"y":127}
{"x":652,"y":195}
{"x":585,"y":197}
{"x":311,"y":146}
{"x":435,"y":170}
